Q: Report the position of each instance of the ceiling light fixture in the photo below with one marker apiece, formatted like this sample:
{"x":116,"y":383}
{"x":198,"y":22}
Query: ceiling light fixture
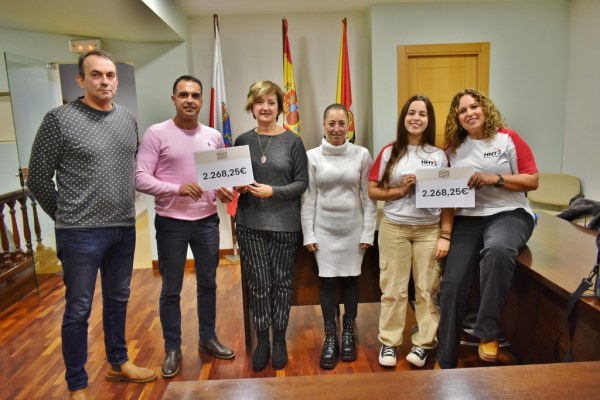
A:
{"x":84,"y":45}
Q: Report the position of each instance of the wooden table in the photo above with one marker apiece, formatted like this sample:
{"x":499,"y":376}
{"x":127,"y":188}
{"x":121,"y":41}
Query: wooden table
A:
{"x":558,"y":256}
{"x":529,"y":382}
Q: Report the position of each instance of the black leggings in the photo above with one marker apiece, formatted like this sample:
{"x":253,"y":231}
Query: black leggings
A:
{"x":329,"y":296}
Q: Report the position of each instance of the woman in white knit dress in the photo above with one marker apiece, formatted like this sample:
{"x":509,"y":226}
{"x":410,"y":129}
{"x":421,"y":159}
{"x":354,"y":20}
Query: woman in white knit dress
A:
{"x":338,"y":223}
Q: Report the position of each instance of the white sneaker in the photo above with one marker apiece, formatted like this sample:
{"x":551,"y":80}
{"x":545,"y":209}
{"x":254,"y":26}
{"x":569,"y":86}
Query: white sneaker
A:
{"x":417,"y":356}
{"x":387,"y":356}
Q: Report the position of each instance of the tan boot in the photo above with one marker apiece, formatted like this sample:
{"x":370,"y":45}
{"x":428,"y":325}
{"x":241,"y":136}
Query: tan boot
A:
{"x":488,"y":350}
{"x":129,"y":372}
{"x":81,"y":394}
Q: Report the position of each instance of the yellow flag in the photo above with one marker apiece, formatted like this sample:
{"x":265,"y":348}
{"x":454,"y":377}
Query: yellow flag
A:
{"x":291,"y":117}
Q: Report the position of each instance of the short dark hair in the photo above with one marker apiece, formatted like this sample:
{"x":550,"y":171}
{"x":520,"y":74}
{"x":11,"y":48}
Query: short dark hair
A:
{"x":97,"y":52}
{"x":187,"y":78}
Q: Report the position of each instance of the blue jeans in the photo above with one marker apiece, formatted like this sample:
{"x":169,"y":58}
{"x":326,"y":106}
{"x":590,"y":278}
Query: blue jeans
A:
{"x":172,"y":239}
{"x":83,"y":252}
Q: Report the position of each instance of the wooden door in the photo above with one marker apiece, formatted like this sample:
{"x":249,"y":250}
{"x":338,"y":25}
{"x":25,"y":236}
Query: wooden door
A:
{"x":439,"y":71}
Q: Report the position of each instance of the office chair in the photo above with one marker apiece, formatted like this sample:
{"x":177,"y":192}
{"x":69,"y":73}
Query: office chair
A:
{"x":555,"y":192}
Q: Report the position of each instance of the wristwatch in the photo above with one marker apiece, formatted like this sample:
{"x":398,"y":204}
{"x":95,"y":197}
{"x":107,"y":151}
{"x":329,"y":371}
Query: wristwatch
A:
{"x":500,"y":181}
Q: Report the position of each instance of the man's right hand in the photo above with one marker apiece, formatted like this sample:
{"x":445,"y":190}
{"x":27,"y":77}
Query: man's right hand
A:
{"x":192,"y":190}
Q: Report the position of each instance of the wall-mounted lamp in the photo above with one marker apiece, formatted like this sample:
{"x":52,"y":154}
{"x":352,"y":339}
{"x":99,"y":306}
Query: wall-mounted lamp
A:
{"x":84,"y":45}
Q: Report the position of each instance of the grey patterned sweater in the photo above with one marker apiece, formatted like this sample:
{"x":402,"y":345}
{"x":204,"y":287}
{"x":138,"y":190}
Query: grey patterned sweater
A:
{"x":286,"y":170}
{"x":92,"y":153}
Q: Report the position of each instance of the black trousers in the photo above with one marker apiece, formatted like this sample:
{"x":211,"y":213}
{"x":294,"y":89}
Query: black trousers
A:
{"x":489,"y":245}
{"x":268,"y":259}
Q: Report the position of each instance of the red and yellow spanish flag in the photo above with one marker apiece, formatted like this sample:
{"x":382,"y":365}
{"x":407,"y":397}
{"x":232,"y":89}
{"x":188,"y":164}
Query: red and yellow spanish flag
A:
{"x":344,"y":91}
{"x":291,"y":117}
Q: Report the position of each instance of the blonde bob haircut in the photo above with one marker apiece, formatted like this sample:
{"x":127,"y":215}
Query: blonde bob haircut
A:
{"x":261,"y":88}
{"x":455,"y":134}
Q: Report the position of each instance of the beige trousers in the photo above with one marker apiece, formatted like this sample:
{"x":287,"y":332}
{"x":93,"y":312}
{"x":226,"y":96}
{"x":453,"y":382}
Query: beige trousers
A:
{"x":402,"y":249}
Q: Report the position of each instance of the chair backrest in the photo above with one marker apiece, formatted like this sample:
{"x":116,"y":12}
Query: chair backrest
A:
{"x":555,"y":191}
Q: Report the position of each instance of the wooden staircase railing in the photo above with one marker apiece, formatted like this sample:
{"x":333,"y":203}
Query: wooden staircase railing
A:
{"x":17,"y":268}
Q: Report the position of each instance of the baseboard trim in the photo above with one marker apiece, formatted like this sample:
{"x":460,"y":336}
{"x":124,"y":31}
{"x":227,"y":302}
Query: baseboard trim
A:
{"x":189,"y":263}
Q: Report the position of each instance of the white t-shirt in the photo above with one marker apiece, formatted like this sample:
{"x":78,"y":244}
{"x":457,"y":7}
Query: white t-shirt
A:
{"x":504,"y":154}
{"x":404,"y":210}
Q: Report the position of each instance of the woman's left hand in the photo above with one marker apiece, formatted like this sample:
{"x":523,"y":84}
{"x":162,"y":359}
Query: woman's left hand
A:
{"x":364,"y":246}
{"x":441,"y":249}
{"x":242,"y":189}
{"x":260,"y":190}
{"x":481,"y":179}
{"x":312,"y":247}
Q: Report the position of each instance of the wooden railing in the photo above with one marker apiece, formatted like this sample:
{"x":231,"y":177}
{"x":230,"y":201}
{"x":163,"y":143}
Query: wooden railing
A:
{"x":17,"y":269}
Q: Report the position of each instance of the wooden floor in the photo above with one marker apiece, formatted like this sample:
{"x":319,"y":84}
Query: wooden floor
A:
{"x":31,"y":365}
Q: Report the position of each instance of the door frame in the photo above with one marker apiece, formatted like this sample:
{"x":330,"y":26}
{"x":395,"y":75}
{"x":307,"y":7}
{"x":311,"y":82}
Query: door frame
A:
{"x":404,"y":52}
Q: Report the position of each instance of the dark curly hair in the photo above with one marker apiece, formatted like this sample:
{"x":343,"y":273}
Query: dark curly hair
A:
{"x":455,"y":134}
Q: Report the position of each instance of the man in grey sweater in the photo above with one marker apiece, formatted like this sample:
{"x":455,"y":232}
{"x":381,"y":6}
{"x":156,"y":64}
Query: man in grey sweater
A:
{"x":90,"y":145}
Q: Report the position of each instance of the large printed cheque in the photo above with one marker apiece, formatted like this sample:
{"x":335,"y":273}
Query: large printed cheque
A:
{"x":224,"y":167}
{"x":444,"y":188}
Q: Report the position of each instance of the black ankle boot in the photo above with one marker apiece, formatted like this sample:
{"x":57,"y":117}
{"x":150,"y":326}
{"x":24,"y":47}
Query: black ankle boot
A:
{"x":331,"y":349}
{"x":260,"y":357}
{"x":280,"y":356}
{"x":349,"y":339}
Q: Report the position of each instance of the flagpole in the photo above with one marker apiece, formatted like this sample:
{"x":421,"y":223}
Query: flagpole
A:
{"x":344,"y":89}
{"x":235,"y":257}
{"x":283,"y":36}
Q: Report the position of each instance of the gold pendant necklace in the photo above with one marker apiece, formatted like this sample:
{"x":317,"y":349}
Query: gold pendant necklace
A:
{"x":263,"y":159}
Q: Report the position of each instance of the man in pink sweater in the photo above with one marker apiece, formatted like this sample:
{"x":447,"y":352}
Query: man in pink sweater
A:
{"x":185,"y":215}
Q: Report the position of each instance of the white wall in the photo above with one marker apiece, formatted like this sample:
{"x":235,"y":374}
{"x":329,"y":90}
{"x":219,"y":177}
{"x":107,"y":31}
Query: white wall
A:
{"x":157,"y":65}
{"x":38,"y":46}
{"x":252,"y":50}
{"x":582,"y":132}
{"x":171,"y":15}
{"x":528,"y":62}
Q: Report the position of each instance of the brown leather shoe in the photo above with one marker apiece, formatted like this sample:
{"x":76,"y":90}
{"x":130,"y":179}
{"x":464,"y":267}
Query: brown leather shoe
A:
{"x":488,"y":350}
{"x":129,"y":372}
{"x":81,"y":394}
{"x":216,"y":348}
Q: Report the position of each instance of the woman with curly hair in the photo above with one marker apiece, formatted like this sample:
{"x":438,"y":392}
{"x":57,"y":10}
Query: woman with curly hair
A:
{"x":487,"y":237}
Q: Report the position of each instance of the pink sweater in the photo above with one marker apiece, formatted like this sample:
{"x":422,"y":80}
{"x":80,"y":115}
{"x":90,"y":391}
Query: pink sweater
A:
{"x":165,"y":161}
